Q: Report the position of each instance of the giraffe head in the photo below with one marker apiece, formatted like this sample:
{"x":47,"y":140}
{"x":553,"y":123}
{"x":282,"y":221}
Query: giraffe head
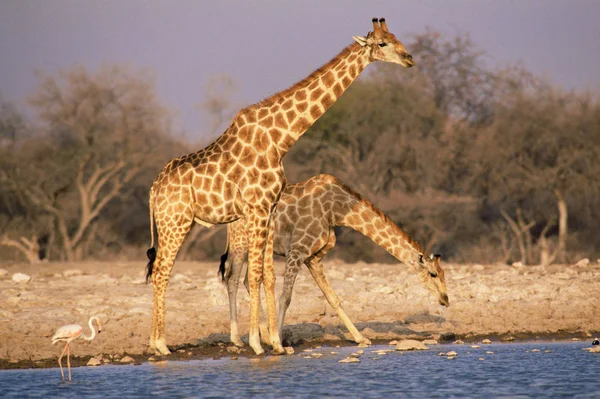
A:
{"x":431,"y":275}
{"x":383,"y":45}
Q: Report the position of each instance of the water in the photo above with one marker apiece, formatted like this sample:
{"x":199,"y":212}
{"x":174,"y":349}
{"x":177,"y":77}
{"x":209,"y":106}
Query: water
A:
{"x":513,"y":371}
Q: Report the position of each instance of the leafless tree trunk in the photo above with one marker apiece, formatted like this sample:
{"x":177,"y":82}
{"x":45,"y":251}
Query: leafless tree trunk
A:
{"x":520,"y":230}
{"x":29,"y":247}
{"x":561,"y":248}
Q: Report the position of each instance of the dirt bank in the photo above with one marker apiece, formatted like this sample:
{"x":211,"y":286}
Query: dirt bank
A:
{"x":385,"y":302}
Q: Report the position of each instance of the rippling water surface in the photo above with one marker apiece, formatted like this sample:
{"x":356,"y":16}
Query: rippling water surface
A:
{"x":512,"y":371}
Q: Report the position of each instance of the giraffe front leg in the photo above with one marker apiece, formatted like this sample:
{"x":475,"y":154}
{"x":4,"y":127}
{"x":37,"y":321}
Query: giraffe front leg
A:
{"x":269,"y":285}
{"x":316,"y":270}
{"x":262,"y":324}
{"x":257,"y":235}
{"x":232,"y":280}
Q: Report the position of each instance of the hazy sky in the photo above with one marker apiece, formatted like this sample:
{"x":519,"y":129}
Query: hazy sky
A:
{"x":267,"y":45}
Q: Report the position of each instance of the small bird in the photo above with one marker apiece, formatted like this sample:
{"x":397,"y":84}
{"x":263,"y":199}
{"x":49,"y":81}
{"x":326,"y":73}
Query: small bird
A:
{"x":69,"y":333}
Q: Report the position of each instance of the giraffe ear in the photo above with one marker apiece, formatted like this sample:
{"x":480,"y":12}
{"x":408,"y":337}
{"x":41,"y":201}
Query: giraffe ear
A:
{"x":360,"y":40}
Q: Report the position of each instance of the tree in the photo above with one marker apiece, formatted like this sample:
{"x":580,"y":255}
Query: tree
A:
{"x":98,"y":132}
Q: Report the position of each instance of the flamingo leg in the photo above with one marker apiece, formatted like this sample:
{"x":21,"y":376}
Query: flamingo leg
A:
{"x":60,"y":363}
{"x":69,"y":360}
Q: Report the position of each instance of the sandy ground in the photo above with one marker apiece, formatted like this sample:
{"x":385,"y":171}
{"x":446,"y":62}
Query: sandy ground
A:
{"x":385,"y":301}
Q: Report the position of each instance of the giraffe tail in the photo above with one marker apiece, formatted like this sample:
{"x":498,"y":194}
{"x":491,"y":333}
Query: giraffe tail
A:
{"x":151,"y":252}
{"x":223,"y":261}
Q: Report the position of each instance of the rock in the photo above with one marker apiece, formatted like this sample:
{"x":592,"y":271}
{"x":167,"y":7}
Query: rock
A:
{"x":233,"y":349}
{"x":289,"y":350}
{"x":451,"y":353}
{"x":595,"y":349}
{"x":394,"y":342}
{"x":363,"y":345}
{"x":430,"y":341}
{"x":510,"y":338}
{"x":3,"y":273}
{"x":72,"y":272}
{"x":410,"y":345}
{"x":458,"y":342}
{"x":574,"y":339}
{"x":517,"y":264}
{"x":486,"y":341}
{"x":316,"y":355}
{"x":21,"y":278}
{"x":127,"y":359}
{"x":535,"y":350}
{"x":94,"y":362}
{"x":583,"y":262}
{"x":350,"y":360}
{"x":489,"y":352}
{"x":475,"y":346}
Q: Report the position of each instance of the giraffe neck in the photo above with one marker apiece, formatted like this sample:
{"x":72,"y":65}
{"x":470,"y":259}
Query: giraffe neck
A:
{"x":362,"y":216}
{"x":288,"y":114}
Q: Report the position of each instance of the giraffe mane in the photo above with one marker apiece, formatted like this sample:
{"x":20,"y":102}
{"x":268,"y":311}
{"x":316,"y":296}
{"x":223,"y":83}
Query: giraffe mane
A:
{"x":327,"y":66}
{"x":382,"y":215}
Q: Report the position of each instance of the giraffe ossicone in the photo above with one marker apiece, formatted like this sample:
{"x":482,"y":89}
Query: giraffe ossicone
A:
{"x":240,"y":176}
{"x":304,"y":223}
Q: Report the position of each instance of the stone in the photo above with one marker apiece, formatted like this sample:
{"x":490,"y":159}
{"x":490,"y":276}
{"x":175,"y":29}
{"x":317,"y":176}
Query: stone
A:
{"x":430,"y":342}
{"x":94,"y":362}
{"x":233,"y":349}
{"x":410,"y":345}
{"x":350,"y":360}
{"x":72,"y":272}
{"x":595,"y":349}
{"x":583,"y":262}
{"x":451,"y":353}
{"x":475,"y":346}
{"x":316,"y":355}
{"x":458,"y":342}
{"x":127,"y":359}
{"x":21,"y":278}
{"x":510,"y":338}
{"x":486,"y":341}
{"x":289,"y":350}
{"x":363,"y":345}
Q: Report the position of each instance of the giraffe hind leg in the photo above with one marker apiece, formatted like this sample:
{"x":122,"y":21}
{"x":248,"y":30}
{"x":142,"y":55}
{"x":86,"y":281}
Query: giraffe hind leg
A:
{"x":165,"y":258}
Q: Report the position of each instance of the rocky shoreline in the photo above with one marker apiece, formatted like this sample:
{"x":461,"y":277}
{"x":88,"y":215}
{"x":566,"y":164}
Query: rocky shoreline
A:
{"x":385,"y":301}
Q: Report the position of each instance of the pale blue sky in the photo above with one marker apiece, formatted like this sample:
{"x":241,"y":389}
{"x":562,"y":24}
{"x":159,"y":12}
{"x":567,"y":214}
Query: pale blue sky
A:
{"x":267,"y":45}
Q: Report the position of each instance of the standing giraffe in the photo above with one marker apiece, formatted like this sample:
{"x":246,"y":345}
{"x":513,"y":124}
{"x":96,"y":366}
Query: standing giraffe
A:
{"x":240,"y":175}
{"x":304,"y":222}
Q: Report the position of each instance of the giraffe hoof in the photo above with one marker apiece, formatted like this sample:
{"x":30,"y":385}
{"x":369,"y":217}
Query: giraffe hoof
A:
{"x":364,"y":342}
{"x":278,"y":351}
{"x":238,"y":343}
{"x":161,"y":347}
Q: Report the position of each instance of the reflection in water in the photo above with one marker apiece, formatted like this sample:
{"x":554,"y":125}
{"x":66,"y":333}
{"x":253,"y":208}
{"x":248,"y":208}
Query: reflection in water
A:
{"x":512,"y":370}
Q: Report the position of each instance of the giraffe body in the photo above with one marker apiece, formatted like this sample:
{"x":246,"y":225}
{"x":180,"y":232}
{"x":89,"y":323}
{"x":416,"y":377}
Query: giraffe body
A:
{"x":240,"y":176}
{"x":304,"y":222}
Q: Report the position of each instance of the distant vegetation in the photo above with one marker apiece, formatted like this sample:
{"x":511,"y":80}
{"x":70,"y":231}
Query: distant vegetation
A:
{"x":478,"y":163}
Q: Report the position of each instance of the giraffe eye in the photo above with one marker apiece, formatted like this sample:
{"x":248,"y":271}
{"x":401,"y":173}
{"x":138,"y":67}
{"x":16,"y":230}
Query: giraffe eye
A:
{"x":432,"y":274}
{"x":382,"y":44}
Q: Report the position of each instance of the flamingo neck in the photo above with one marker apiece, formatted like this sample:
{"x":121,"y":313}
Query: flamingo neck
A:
{"x":93,"y":334}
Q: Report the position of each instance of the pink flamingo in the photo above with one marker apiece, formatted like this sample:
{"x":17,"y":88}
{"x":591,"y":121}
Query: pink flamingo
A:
{"x":69,"y":333}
